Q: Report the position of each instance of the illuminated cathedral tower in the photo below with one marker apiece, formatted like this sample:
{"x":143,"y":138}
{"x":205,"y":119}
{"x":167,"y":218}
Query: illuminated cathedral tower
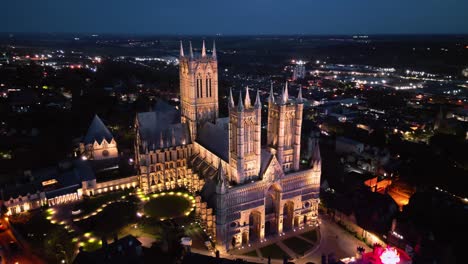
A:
{"x":284,"y":128}
{"x":198,"y":88}
{"x":245,"y":137}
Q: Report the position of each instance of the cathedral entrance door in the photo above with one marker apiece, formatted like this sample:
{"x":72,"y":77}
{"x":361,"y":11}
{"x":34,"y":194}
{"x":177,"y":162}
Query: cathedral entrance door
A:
{"x":255,"y":218}
{"x":288,"y":214}
{"x":267,"y":228}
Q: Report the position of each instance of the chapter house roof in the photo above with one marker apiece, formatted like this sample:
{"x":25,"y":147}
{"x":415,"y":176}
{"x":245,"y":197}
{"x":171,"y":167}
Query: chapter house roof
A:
{"x":97,"y":131}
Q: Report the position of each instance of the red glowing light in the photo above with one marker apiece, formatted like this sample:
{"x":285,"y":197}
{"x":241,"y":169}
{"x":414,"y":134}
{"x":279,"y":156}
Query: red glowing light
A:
{"x":390,"y":256}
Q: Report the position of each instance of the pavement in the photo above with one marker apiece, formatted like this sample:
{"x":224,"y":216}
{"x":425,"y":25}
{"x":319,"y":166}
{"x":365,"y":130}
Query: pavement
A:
{"x":332,"y":239}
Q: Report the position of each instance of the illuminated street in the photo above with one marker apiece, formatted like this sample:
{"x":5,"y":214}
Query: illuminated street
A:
{"x":20,"y":255}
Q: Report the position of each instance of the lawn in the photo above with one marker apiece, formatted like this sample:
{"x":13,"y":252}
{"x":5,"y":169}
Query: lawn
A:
{"x":168,"y":206}
{"x":252,"y":253}
{"x":273,"y":251}
{"x":311,"y":235}
{"x":297,"y":245}
{"x":48,"y":240}
{"x":89,"y":205}
{"x":110,"y":220}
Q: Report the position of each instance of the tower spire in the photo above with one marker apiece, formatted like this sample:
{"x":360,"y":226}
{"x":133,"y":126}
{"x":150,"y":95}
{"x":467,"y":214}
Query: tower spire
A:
{"x":316,"y":159}
{"x":285,"y":95}
{"x":181,"y":49}
{"x":161,"y":141}
{"x":271,"y":97}
{"x":173,"y":139}
{"x":203,"y":51}
{"x":213,"y":55}
{"x":231,"y":98}
{"x":240,"y":106}
{"x":247,"y":103}
{"x":221,"y":178}
{"x":191,"y":49}
{"x":258,"y":104}
{"x":299,"y":95}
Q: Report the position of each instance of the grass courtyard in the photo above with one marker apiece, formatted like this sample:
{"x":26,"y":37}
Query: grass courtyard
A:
{"x":48,"y":240}
{"x":90,"y":204}
{"x":274,"y":251}
{"x":110,"y":220}
{"x":310,"y":235}
{"x":297,"y":245}
{"x":167,"y":206}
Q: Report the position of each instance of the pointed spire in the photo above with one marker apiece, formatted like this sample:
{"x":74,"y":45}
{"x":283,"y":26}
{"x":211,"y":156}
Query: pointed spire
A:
{"x":231,"y":98}
{"x":240,"y":106}
{"x":299,"y":96}
{"x":316,"y":159}
{"x":161,"y":140}
{"x":247,"y":102}
{"x":213,"y":55}
{"x":285,"y":96}
{"x":203,"y":51}
{"x":258,"y":104}
{"x":191,"y":49}
{"x":173,"y":139}
{"x":181,"y":49}
{"x":271,"y":97}
{"x":221,"y":179}
{"x":220,"y":175}
{"x":145,"y":146}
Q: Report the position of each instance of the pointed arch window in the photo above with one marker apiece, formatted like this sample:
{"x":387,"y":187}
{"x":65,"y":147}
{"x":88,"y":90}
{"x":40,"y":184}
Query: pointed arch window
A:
{"x":199,"y":86}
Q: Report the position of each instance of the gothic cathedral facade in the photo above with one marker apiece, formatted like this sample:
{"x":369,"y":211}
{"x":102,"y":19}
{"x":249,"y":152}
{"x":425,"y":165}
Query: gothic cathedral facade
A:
{"x":254,"y":191}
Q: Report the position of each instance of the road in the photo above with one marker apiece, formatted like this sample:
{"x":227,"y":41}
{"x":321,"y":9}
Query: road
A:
{"x":21,"y":255}
{"x":333,"y":240}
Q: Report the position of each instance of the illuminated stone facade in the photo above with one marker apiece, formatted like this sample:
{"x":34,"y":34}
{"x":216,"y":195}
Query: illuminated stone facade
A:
{"x":253,"y":190}
{"x":98,"y":144}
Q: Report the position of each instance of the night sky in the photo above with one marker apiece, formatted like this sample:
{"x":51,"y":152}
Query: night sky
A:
{"x":230,"y":17}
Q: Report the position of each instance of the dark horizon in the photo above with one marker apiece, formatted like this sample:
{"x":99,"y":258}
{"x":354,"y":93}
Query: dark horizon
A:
{"x":201,"y":35}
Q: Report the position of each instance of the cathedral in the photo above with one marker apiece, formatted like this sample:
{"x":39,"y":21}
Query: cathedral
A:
{"x":253,"y":190}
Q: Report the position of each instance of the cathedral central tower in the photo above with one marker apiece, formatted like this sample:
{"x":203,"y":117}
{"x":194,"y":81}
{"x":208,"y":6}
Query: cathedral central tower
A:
{"x":198,"y":88}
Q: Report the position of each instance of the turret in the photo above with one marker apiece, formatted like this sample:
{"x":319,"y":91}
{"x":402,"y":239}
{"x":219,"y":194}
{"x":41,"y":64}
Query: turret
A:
{"x":271,"y":97}
{"x":181,"y":50}
{"x":191,"y":49}
{"x":221,"y":183}
{"x":203,"y":51}
{"x":297,"y":130}
{"x":316,"y":159}
{"x":258,"y":104}
{"x":231,"y":99}
{"x":247,"y":103}
{"x":299,"y":99}
{"x":285,"y":96}
{"x":161,"y":140}
{"x":213,"y":55}
{"x":240,"y":106}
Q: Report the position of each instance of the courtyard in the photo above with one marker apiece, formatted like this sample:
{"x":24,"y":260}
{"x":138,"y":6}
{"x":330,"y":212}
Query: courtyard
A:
{"x":292,"y":245}
{"x":167,"y":206}
{"x":152,"y":218}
